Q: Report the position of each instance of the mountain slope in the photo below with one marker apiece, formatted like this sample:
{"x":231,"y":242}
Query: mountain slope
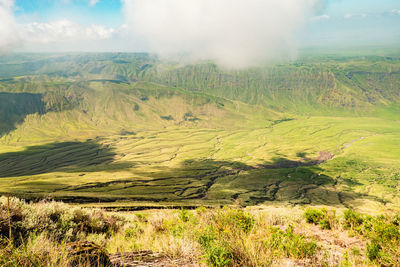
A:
{"x":323,"y":86}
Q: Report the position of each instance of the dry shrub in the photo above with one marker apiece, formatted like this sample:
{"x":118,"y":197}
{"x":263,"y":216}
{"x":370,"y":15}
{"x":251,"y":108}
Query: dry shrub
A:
{"x":35,"y":251}
{"x":40,"y":231}
{"x":58,"y":220}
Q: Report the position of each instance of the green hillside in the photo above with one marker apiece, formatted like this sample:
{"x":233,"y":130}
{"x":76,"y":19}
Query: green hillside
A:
{"x":129,"y":127}
{"x":324,"y":85}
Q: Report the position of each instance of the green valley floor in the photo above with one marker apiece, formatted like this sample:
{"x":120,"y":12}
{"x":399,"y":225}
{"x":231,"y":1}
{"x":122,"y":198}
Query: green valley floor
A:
{"x":337,"y":161}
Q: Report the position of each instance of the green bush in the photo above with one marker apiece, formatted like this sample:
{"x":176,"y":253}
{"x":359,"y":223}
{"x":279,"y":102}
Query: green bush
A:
{"x":384,"y":247}
{"x":215,"y":253}
{"x":219,"y":237}
{"x":219,"y":256}
{"x":386,"y":232}
{"x":353,"y":220}
{"x":207,"y":236}
{"x":244,"y":221}
{"x":315,"y":215}
{"x":235,"y":219}
{"x":319,"y":217}
{"x":373,"y":251}
{"x":290,"y":244}
{"x":383,"y":233}
{"x":184,"y":215}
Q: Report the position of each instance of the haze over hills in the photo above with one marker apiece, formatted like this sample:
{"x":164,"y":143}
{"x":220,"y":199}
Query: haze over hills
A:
{"x":118,"y":126}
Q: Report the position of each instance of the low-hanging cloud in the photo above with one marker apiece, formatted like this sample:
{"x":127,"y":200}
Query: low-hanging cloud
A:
{"x":63,"y":30}
{"x":234,"y":33}
{"x":8,"y":28}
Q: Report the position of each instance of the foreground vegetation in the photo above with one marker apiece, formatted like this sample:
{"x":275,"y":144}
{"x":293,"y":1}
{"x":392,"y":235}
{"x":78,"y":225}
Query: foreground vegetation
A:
{"x":57,"y":234}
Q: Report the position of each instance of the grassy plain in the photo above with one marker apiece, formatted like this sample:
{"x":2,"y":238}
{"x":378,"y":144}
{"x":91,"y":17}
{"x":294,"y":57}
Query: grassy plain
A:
{"x":218,"y":165}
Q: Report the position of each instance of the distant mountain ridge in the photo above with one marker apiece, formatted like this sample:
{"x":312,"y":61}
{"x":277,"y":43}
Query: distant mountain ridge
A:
{"x":356,"y":85}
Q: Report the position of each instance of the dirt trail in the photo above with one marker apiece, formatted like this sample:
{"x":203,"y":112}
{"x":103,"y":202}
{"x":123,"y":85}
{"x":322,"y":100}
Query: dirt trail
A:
{"x":336,"y":242}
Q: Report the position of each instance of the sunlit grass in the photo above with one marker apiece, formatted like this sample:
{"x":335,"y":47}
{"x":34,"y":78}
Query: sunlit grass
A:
{"x":160,"y":164}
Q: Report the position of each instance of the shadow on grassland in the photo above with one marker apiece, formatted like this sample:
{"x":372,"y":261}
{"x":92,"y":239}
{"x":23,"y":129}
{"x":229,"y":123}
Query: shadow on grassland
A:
{"x":66,"y":157}
{"x":14,"y":107}
{"x":213,"y":181}
{"x":280,"y":180}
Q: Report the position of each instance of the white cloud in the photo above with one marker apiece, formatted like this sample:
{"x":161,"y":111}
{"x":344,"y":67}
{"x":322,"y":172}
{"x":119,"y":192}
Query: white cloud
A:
{"x":354,"y":16}
{"x":322,"y":17}
{"x":232,"y":32}
{"x":396,"y":11}
{"x":63,"y":30}
{"x":93,"y":2}
{"x":9,"y":37}
{"x":8,"y":4}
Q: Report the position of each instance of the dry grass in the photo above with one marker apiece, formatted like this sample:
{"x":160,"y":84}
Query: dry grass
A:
{"x":254,"y":236}
{"x":165,"y":231}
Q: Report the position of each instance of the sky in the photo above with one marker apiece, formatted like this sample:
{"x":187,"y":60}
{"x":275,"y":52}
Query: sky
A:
{"x":231,"y":32}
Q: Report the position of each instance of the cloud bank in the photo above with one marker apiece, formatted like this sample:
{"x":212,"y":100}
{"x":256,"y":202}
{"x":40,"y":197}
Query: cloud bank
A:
{"x":8,"y":28}
{"x":68,"y":36}
{"x":52,"y":36}
{"x":63,"y":30}
{"x":235,"y":33}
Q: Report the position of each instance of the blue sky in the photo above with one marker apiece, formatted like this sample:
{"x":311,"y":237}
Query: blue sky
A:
{"x":356,"y":22}
{"x":106,"y":12}
{"x":342,"y":7}
{"x":110,"y":11}
{"x":112,"y":25}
